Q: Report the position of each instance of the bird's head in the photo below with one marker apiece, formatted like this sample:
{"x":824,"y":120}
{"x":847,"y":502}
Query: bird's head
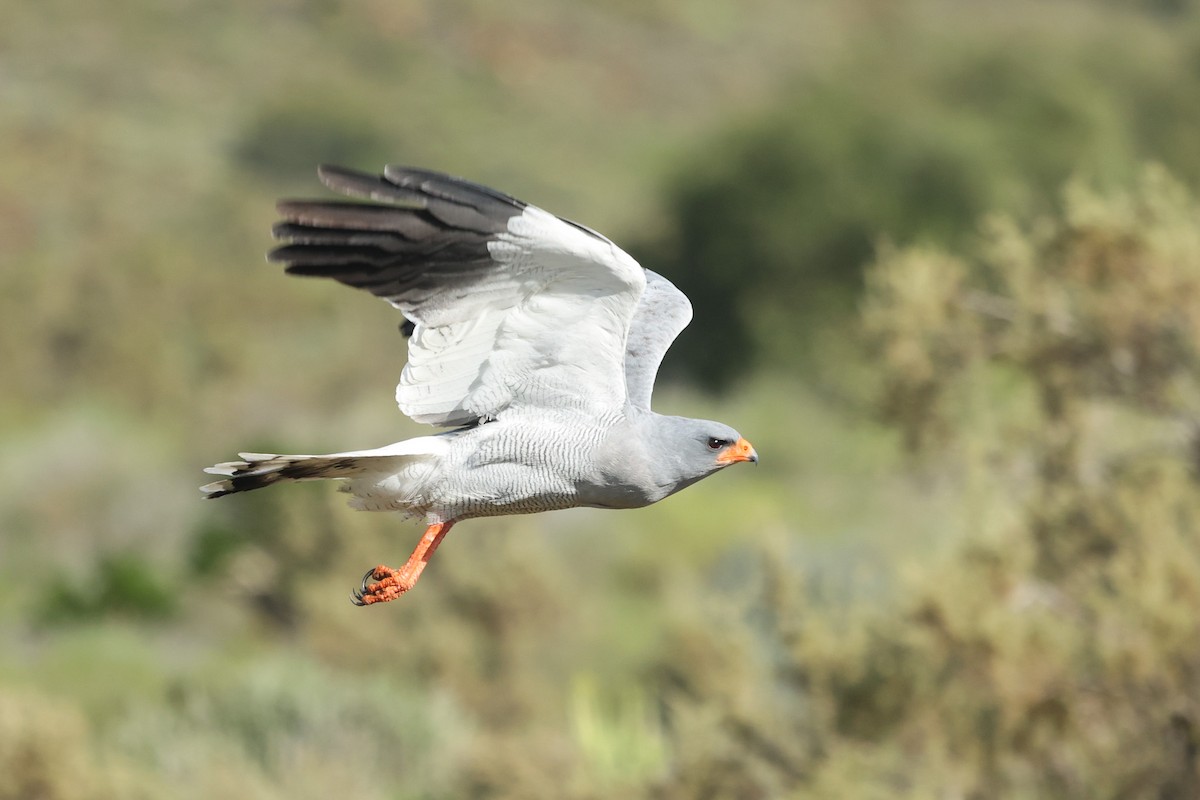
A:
{"x":696,"y":448}
{"x":654,"y":456}
{"x":722,"y":445}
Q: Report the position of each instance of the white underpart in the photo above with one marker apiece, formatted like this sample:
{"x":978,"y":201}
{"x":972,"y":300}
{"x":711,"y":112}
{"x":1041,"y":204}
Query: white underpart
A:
{"x":394,"y":477}
{"x":547,"y":328}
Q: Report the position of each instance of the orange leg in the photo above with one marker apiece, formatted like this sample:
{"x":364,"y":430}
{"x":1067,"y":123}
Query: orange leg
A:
{"x":394,"y":582}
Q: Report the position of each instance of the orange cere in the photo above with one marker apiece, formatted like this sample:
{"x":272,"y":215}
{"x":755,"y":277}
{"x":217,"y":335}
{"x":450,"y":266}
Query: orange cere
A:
{"x":741,"y":450}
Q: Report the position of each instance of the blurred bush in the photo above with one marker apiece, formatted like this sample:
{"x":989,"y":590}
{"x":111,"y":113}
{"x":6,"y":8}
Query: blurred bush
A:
{"x":1054,"y":655}
{"x":927,"y":124}
{"x":46,"y":753}
{"x":125,"y":584}
{"x":269,"y":547}
{"x":283,"y":143}
{"x":40,"y":751}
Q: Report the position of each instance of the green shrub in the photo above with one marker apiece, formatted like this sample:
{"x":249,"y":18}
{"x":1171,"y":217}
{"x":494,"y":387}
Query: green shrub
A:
{"x":1054,"y":655}
{"x":283,"y":144}
{"x":912,"y":138}
{"x":124,"y":584}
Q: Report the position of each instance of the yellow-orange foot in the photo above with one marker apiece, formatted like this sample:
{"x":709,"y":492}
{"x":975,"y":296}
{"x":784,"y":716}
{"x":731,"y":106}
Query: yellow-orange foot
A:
{"x":390,"y":584}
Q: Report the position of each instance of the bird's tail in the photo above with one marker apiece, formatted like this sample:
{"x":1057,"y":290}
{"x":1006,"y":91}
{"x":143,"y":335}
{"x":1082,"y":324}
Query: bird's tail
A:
{"x":399,"y":470}
{"x":257,"y":470}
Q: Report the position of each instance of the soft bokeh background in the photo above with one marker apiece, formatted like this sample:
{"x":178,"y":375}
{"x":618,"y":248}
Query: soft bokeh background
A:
{"x":945,"y":258}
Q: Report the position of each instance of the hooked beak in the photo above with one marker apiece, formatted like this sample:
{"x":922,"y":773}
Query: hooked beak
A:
{"x":741,"y":450}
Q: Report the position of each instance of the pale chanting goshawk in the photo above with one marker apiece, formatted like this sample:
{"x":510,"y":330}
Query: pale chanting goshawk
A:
{"x":535,"y":340}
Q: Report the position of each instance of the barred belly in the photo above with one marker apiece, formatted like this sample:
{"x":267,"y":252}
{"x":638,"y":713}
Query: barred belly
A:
{"x":520,"y":469}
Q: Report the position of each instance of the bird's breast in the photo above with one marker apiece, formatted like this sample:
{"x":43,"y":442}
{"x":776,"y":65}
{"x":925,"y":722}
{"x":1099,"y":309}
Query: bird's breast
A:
{"x":620,"y":474}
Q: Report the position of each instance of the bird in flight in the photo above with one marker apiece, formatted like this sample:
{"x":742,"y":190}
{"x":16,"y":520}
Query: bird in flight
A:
{"x":533,"y":339}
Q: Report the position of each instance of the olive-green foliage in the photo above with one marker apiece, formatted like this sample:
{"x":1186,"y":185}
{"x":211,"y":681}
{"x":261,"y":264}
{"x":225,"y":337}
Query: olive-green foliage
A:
{"x":1055,"y":656}
{"x":991,"y":592}
{"x":124,"y":584}
{"x":46,"y":754}
{"x":283,"y":143}
{"x":922,"y":128}
{"x":290,"y":542}
{"x":1050,"y":374}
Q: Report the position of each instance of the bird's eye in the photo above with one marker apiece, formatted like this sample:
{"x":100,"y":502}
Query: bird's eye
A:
{"x":717,"y":444}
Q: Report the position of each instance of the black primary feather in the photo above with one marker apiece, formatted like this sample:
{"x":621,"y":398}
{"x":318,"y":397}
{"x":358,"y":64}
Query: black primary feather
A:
{"x":422,"y":229}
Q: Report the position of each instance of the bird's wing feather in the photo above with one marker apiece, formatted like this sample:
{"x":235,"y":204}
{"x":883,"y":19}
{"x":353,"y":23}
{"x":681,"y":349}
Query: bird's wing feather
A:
{"x":511,"y":305}
{"x":663,"y":311}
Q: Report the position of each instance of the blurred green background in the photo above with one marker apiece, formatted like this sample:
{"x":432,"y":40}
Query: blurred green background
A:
{"x":945,"y":259}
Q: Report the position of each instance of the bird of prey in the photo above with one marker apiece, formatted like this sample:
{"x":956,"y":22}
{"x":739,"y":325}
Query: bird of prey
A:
{"x":533,"y":339}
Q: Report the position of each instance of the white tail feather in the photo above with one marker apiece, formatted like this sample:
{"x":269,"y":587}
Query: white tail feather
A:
{"x":388,"y":478}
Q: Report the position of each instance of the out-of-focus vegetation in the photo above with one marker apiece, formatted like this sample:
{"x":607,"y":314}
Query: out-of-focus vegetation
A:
{"x":968,"y":566}
{"x":1053,"y":654}
{"x":910,"y":137}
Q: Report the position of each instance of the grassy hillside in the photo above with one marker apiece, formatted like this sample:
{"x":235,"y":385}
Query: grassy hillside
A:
{"x":867,"y":613}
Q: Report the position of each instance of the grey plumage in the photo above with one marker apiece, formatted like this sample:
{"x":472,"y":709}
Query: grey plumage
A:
{"x":535,"y":339}
{"x":663,"y":312}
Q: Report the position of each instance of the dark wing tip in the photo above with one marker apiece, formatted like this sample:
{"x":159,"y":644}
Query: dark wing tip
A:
{"x":413,"y":187}
{"x":399,"y":236}
{"x":370,"y":187}
{"x":448,"y":187}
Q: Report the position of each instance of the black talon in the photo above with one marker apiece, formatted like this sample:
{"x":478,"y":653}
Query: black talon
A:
{"x":356,"y":595}
{"x":369,"y":576}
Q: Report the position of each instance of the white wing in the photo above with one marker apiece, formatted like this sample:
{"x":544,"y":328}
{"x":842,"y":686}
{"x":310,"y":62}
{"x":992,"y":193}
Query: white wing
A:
{"x":512,"y":306}
{"x":662,"y":313}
